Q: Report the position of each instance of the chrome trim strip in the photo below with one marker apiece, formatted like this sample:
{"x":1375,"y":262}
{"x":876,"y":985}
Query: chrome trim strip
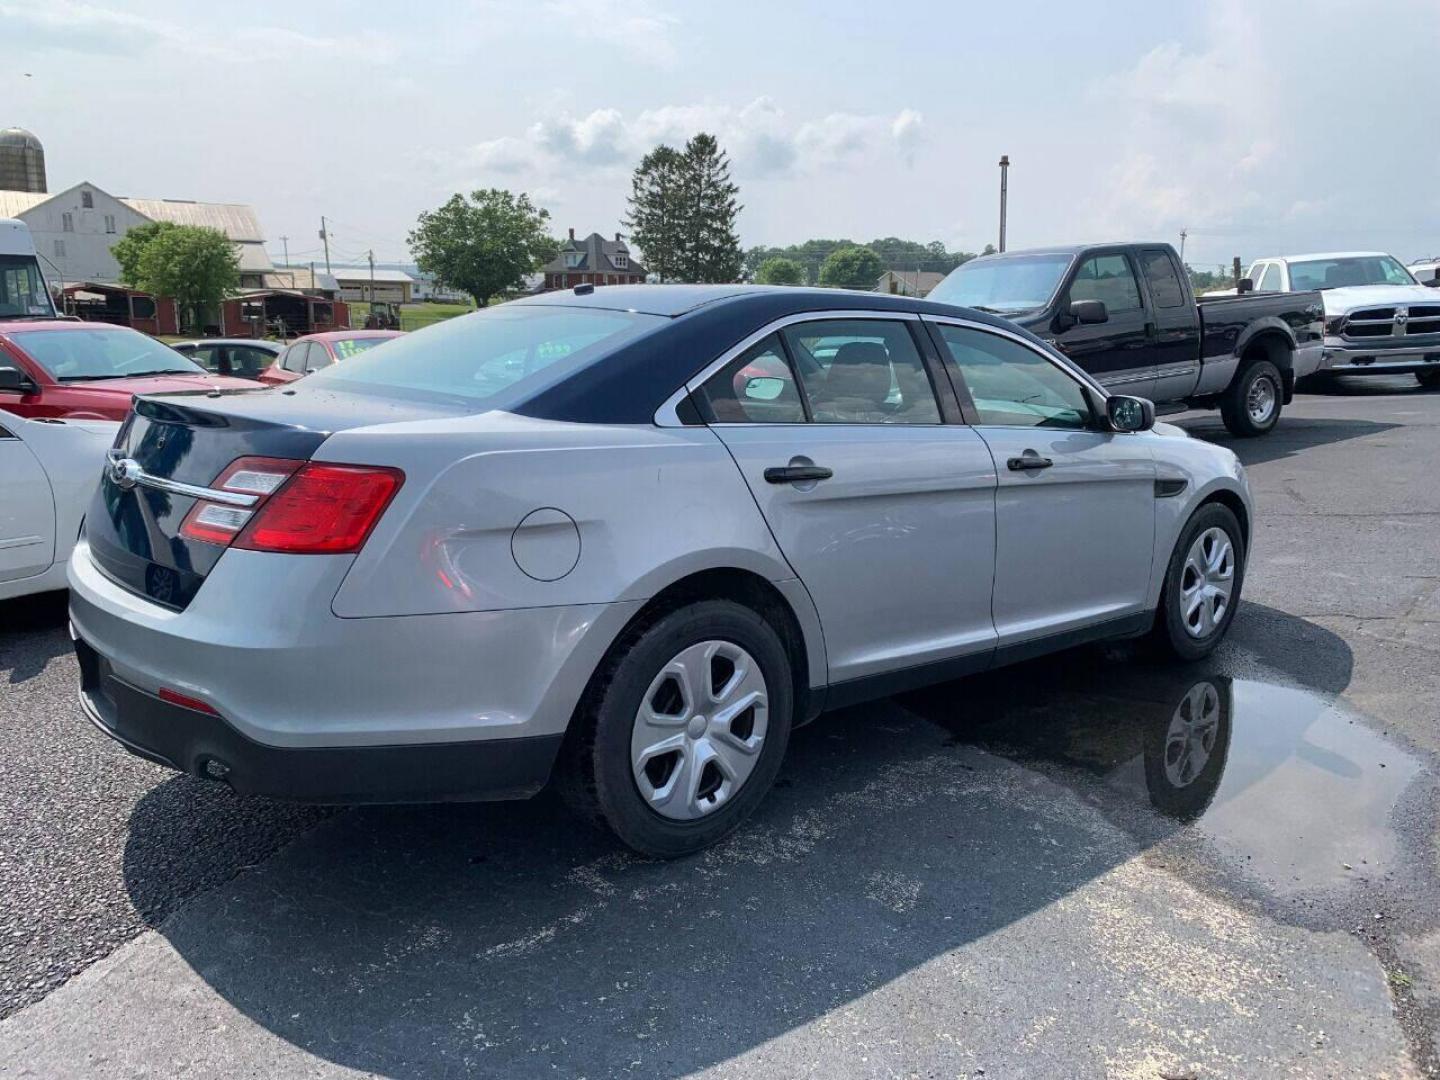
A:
{"x":668,"y":416}
{"x":175,"y":487}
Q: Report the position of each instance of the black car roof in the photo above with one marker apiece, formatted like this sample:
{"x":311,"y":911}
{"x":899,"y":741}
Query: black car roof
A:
{"x":704,"y":321}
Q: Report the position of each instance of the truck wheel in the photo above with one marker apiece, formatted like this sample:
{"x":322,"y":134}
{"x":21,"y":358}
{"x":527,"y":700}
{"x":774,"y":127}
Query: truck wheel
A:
{"x":1251,"y":406}
{"x":1429,"y":379}
{"x":683,"y":729}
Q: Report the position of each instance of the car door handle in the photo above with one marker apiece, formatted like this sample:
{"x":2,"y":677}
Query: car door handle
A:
{"x":796,"y":474}
{"x":1027,"y":461}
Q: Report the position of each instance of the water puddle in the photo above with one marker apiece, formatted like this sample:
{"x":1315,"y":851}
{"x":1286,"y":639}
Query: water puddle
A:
{"x":1281,"y":782}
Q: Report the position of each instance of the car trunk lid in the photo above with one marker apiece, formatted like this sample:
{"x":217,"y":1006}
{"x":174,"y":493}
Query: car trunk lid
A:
{"x":134,"y":529}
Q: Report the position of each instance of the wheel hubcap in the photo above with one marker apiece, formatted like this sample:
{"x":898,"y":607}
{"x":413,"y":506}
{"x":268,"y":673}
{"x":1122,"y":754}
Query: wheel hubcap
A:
{"x":1260,"y":402}
{"x":1191,"y":738}
{"x":1207,"y":581}
{"x":699,"y":730}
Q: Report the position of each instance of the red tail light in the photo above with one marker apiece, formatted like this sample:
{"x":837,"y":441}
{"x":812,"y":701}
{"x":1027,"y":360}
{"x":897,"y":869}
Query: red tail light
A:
{"x":302,"y":508}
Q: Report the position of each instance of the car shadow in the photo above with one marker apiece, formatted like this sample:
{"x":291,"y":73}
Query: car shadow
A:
{"x":1291,"y":436}
{"x":424,"y":941}
{"x":32,"y":633}
{"x":1365,"y":386}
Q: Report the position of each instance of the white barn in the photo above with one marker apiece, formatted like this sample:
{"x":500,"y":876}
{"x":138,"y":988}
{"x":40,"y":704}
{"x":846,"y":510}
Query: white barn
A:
{"x":74,"y":229}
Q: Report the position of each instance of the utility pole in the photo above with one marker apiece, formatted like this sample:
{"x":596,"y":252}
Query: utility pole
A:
{"x":371,"y":256}
{"x":325,"y":237}
{"x":1183,"y":234}
{"x":285,"y":240}
{"x":1004,"y":194}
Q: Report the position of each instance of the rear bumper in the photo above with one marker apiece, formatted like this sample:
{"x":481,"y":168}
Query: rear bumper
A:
{"x":1352,"y":359}
{"x":208,"y":747}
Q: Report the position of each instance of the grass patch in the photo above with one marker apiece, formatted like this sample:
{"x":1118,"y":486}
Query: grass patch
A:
{"x":413,"y":316}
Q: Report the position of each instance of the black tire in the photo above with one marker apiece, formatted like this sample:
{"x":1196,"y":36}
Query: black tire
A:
{"x":1235,"y":402}
{"x":1429,"y":378}
{"x":1170,"y":633}
{"x":594,"y":775}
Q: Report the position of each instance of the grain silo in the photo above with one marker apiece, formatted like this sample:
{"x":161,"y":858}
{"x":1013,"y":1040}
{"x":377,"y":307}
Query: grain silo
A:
{"x":22,"y":161}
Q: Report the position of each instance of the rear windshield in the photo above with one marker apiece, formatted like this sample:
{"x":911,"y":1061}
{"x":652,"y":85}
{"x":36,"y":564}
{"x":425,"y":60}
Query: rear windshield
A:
{"x":114,"y":353}
{"x":348,"y":347}
{"x":491,"y":357}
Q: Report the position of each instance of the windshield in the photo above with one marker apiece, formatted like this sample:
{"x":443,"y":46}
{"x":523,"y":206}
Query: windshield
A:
{"x":112,"y":353}
{"x":22,"y":290}
{"x":491,"y":356}
{"x":1005,"y":284}
{"x":1351,"y":270}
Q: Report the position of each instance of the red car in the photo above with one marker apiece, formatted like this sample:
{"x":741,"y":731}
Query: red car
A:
{"x":91,"y":370}
{"x":315,"y":351}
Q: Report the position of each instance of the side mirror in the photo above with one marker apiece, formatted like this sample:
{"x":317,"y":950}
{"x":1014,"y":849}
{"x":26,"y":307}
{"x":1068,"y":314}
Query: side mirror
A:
{"x":1130,"y":413}
{"x":1244,"y":285}
{"x":764,"y":388}
{"x":16,"y":381}
{"x":1089,"y":312}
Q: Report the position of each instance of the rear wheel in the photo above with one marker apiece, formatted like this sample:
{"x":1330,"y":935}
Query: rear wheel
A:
{"x":1202,"y":584}
{"x":1251,"y":405}
{"x":1430,"y":378}
{"x":683,"y":729}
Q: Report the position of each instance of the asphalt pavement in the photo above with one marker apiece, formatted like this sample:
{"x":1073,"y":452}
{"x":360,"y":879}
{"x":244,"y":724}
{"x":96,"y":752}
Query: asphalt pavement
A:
{"x":1089,"y":865}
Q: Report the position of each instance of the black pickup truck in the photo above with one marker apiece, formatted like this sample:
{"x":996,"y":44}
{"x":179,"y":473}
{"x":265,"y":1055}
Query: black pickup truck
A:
{"x":1127,"y":315}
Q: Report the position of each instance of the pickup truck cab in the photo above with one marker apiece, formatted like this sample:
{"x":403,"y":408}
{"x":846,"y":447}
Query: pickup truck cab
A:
{"x":1126,"y":314}
{"x":1379,"y":319}
{"x":91,"y":371}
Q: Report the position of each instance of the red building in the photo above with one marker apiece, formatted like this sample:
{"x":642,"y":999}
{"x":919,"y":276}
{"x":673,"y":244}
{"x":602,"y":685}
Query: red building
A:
{"x":593,"y":261}
{"x":123,"y":307}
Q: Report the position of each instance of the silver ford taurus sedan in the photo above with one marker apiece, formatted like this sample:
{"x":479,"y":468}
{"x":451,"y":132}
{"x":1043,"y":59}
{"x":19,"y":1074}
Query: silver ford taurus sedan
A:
{"x":626,"y":538}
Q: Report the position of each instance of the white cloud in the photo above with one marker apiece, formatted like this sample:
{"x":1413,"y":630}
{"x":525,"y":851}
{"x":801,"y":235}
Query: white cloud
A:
{"x":641,"y":31}
{"x":760,"y":139}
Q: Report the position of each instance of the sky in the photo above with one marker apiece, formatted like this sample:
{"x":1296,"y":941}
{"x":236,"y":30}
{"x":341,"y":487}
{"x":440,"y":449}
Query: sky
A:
{"x":1258,"y":128}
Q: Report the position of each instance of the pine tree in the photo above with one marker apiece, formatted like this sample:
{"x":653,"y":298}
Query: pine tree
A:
{"x":682,"y":213}
{"x":712,"y":250}
{"x":655,"y":209}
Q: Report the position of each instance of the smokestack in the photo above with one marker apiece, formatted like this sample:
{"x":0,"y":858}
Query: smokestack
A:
{"x":617,"y":238}
{"x":572,"y":234}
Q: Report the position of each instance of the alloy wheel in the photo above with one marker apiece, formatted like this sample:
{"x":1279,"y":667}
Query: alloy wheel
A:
{"x":699,"y":730}
{"x":1193,"y":731}
{"x":1207,"y":581}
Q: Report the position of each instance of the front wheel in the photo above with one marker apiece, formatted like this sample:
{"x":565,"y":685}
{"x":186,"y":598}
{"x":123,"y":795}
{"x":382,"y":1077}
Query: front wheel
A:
{"x":1430,"y":378}
{"x":1202,"y":584}
{"x":1251,"y":405}
{"x":683,"y":730}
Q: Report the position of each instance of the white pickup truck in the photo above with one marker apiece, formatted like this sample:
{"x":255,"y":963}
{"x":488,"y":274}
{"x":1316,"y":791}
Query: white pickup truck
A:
{"x":1378,"y":319}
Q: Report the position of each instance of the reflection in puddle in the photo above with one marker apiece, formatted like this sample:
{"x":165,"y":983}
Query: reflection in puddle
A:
{"x":1276,"y":778}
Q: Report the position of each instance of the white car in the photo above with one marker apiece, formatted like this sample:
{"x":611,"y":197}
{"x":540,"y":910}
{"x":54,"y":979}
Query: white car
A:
{"x":1379,"y":320}
{"x":48,"y":471}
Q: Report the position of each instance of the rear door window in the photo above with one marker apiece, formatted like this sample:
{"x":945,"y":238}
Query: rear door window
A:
{"x":1161,"y":278}
{"x":757,"y":387}
{"x":1269,"y":279}
{"x":862,"y":371}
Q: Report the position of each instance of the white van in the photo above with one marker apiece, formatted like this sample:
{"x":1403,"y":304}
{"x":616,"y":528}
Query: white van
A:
{"x":23,"y":293}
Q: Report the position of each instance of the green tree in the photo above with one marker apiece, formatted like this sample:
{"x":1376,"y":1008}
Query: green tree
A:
{"x":682,"y":212}
{"x":483,"y":244}
{"x":779,"y":270}
{"x":198,"y":267}
{"x":128,"y":248}
{"x":852,"y":267}
{"x":656,"y":210}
